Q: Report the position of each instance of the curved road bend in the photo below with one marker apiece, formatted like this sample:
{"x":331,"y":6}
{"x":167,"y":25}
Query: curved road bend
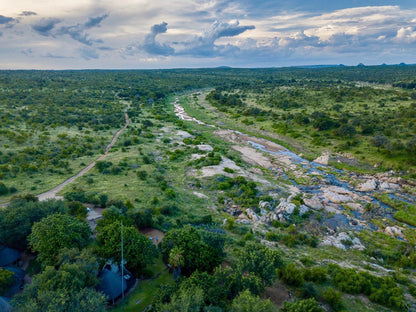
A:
{"x":52,"y":192}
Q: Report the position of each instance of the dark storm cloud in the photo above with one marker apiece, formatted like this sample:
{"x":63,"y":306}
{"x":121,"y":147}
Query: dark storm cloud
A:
{"x":95,"y":21}
{"x":6,"y":20}
{"x":77,"y":31}
{"x":203,"y":46}
{"x":45,"y":25}
{"x":27,"y":13}
{"x":198,"y":46}
{"x":150,"y":44}
{"x":78,"y":34}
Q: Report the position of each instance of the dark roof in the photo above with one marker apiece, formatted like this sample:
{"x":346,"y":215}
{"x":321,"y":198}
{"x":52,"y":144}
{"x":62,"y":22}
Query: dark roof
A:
{"x":8,"y":255}
{"x":5,"y":305}
{"x":110,"y":284}
{"x":18,"y":277}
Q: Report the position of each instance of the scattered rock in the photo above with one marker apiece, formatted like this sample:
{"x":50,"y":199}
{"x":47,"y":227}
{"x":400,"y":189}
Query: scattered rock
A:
{"x":355,"y":206}
{"x":323,"y":159}
{"x":387,"y":186}
{"x":394,"y":231}
{"x":270,"y":217}
{"x":184,"y":134}
{"x":285,"y":207}
{"x":339,"y":190}
{"x":265,"y":205}
{"x":303,"y":209}
{"x":205,"y":147}
{"x":197,"y":156}
{"x":243,"y":219}
{"x":343,"y":241}
{"x":233,"y":210}
{"x":252,"y":215}
{"x":263,"y":212}
{"x":336,"y":197}
{"x":200,"y":195}
{"x":369,"y":185}
{"x":313,"y":202}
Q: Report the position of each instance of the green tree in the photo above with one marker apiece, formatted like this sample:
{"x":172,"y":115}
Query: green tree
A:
{"x":307,"y":305}
{"x":6,"y":279}
{"x":176,"y":260}
{"x":17,"y":220}
{"x":138,"y":249}
{"x":260,"y":261}
{"x":247,"y":302}
{"x":186,"y":300}
{"x":33,"y":300}
{"x":198,"y":255}
{"x":55,"y":232}
{"x":3,"y":189}
{"x":333,"y":298}
{"x":291,"y":275}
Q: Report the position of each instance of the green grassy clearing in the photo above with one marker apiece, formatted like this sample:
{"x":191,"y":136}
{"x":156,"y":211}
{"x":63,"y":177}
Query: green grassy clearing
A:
{"x":146,"y":290}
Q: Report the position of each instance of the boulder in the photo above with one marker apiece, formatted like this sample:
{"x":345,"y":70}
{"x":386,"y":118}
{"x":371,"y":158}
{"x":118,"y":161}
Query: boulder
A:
{"x":263,"y":212}
{"x":285,"y":207}
{"x":355,"y":206}
{"x":252,"y":215}
{"x":243,"y":221}
{"x":270,"y":217}
{"x":234,"y":210}
{"x":368,"y":186}
{"x":332,"y":241}
{"x":387,"y":186}
{"x":342,"y":238}
{"x":393,"y":231}
{"x":357,"y":244}
{"x":339,"y":190}
{"x":336,"y":198}
{"x":313,"y":203}
{"x":303,"y":209}
{"x":322,"y":160}
{"x":265,"y":205}
{"x":205,"y":147}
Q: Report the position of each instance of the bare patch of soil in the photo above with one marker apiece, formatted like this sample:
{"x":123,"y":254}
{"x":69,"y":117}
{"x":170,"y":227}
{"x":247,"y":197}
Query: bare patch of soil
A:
{"x":154,"y":234}
{"x":278,"y":293}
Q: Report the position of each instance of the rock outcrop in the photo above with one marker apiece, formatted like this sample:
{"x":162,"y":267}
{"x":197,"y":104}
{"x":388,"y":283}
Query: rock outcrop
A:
{"x":343,"y":241}
{"x":368,"y":186}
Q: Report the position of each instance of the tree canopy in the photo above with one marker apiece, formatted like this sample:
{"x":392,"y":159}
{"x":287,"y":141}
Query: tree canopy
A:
{"x":56,"y":232}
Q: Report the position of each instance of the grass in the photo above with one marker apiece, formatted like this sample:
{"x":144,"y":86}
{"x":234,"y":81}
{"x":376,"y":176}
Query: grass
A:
{"x":298,"y":137}
{"x":43,"y":180}
{"x":146,"y":290}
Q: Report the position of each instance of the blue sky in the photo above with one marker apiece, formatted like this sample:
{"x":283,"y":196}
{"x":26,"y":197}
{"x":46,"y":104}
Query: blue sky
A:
{"x":62,"y":34}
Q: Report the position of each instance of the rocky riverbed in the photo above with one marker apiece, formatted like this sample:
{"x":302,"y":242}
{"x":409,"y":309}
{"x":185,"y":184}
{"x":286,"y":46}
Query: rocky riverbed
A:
{"x":347,"y":198}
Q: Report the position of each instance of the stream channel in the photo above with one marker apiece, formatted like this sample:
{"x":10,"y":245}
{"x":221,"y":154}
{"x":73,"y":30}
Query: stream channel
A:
{"x":327,"y":182}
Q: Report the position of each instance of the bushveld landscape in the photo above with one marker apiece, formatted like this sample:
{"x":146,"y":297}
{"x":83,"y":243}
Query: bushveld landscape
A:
{"x":284,"y":189}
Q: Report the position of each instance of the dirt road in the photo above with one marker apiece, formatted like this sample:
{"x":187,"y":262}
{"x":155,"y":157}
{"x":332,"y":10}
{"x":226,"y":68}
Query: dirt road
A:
{"x":52,"y":193}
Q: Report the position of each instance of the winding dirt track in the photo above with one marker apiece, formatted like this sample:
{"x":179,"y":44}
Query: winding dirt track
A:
{"x":52,"y":192}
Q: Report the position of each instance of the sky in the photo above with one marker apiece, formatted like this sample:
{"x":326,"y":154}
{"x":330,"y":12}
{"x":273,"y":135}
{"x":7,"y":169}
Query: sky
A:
{"x":153,"y":34}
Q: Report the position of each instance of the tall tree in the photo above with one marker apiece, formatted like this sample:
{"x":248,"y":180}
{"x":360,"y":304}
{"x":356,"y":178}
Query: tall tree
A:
{"x":138,"y":249}
{"x":56,"y":232}
{"x":176,"y":260}
{"x":246,"y":302}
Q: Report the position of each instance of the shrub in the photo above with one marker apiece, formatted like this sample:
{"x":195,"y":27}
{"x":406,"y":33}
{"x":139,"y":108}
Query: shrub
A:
{"x":316,"y":274}
{"x":307,"y":305}
{"x":291,"y":275}
{"x":333,"y":298}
